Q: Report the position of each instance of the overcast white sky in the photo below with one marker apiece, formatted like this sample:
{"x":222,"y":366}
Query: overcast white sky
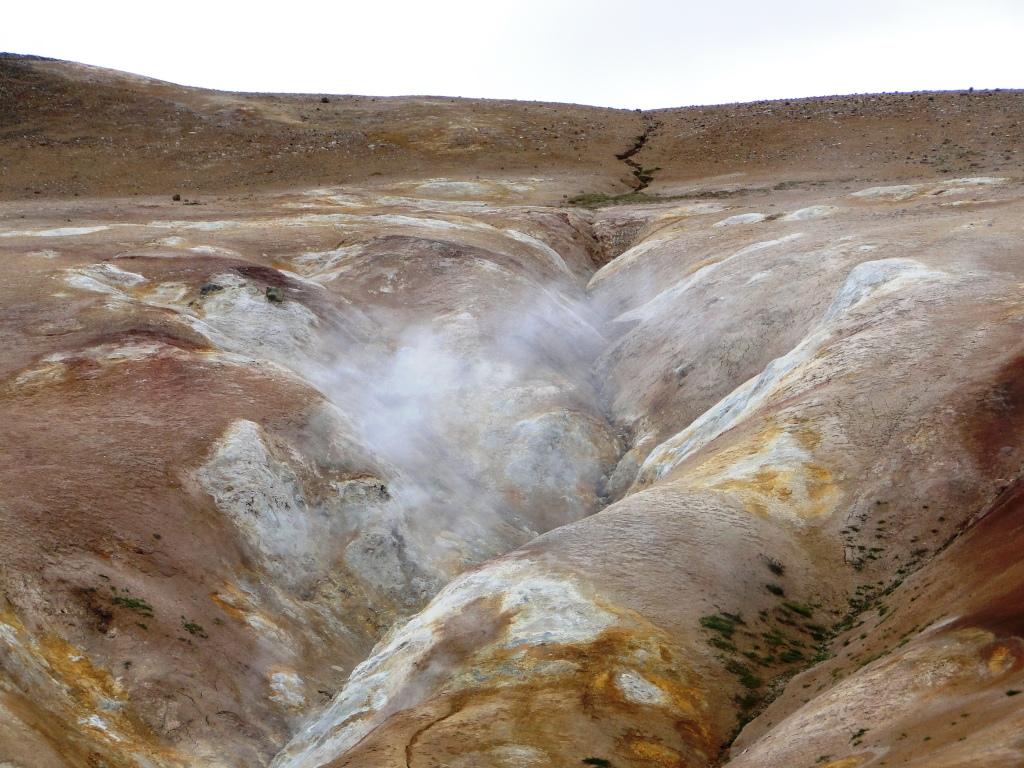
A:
{"x":630,"y":53}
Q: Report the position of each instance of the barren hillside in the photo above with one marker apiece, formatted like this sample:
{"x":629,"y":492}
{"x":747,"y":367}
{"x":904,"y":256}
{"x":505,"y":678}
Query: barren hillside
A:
{"x":430,"y":432}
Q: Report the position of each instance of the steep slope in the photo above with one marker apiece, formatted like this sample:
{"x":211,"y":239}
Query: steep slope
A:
{"x":269,"y":459}
{"x":761,"y":536}
{"x":429,"y":470}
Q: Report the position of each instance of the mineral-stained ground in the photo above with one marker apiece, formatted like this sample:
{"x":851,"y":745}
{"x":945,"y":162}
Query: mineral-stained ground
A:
{"x":427,"y":432}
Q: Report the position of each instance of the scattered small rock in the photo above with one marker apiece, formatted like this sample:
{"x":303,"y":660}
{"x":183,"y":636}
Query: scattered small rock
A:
{"x":209,"y":288}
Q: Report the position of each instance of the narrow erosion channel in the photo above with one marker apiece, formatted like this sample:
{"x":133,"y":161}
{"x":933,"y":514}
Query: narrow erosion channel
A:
{"x":568,"y":438}
{"x":643,"y":176}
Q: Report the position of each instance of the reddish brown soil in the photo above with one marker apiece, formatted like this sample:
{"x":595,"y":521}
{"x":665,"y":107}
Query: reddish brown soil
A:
{"x":66,"y":129}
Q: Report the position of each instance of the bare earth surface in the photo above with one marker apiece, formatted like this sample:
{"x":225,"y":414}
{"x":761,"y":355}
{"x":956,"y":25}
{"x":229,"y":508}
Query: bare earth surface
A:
{"x":424,"y":432}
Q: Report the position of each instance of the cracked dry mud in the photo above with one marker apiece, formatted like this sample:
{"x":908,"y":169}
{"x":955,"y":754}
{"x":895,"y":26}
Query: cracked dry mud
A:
{"x":402,"y":460}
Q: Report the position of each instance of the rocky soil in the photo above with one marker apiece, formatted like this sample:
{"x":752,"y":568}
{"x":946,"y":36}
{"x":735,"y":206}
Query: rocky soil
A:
{"x":427,"y":432}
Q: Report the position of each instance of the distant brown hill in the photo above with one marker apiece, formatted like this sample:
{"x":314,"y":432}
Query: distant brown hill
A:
{"x":69,"y":129}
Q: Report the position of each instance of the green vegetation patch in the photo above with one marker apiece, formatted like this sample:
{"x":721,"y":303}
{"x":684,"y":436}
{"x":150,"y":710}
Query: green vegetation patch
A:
{"x":721,"y":623}
{"x":747,"y":678}
{"x":804,"y":610}
{"x":791,"y":655}
{"x":136,"y":604}
{"x":192,"y":628}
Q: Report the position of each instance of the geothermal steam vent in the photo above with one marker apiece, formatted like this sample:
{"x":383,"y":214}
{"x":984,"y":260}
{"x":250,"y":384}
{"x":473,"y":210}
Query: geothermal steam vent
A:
{"x":422,"y":432}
